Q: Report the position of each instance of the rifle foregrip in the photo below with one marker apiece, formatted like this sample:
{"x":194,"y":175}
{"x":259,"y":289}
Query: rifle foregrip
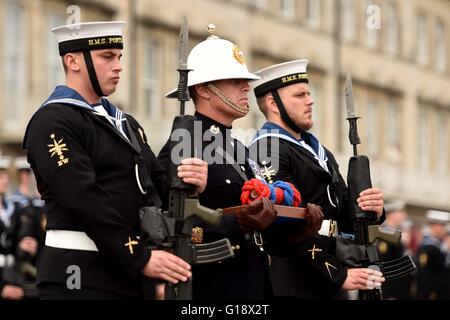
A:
{"x":358,"y":179}
{"x":181,"y":146}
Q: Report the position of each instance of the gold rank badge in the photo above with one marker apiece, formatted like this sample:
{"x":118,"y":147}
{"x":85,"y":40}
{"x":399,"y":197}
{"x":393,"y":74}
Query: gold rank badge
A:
{"x":328,"y":266}
{"x":58,"y":148}
{"x":313,"y":251}
{"x":130,"y":244}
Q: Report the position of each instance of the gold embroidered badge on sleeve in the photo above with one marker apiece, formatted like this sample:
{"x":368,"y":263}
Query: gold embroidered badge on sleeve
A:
{"x":313,"y":251}
{"x":58,"y":148}
{"x":328,"y":265}
{"x":130,"y":244}
{"x":423,"y":260}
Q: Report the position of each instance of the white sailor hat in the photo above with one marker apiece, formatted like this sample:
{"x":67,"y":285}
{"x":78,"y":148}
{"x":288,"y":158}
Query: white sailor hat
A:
{"x":215,"y":59}
{"x":435,"y":216}
{"x":89,"y":36}
{"x":21,"y":163}
{"x":280,"y":75}
{"x":5,"y":162}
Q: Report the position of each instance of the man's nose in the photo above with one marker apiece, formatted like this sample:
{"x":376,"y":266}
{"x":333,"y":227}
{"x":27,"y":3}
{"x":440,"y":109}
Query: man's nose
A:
{"x":246,"y":87}
{"x":310,"y":101}
{"x":118,"y":66}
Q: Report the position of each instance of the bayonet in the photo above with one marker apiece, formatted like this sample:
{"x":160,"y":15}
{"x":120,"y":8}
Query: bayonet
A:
{"x":351,"y":115}
{"x":183,"y":45}
{"x":183,"y":49}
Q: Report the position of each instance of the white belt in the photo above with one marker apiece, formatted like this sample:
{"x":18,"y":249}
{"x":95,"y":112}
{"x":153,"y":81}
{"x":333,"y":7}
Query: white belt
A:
{"x":65,"y":239}
{"x":6,"y":260}
{"x":329,"y":228}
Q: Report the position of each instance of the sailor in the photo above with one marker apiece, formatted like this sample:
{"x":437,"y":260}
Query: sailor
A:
{"x":94,"y":170}
{"x":432,"y":273}
{"x":310,"y":268}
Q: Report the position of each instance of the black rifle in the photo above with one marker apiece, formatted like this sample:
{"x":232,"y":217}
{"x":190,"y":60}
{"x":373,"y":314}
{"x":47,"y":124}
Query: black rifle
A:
{"x":364,"y":252}
{"x":173,"y":229}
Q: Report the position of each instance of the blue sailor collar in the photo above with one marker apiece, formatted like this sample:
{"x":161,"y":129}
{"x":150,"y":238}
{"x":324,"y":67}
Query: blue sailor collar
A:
{"x":270,"y":129}
{"x":68,"y":96}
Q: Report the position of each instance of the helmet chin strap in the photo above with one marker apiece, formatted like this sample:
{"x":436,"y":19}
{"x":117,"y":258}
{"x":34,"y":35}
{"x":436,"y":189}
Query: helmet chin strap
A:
{"x":227,"y":100}
{"x":92,"y":75}
{"x":284,"y":116}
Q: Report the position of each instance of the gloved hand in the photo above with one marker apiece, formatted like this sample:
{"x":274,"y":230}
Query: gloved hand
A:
{"x":313,"y":221}
{"x":257,"y":215}
{"x":314,"y":218}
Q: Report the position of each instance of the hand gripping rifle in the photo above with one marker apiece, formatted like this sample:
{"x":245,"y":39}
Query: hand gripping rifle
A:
{"x":173,"y":230}
{"x":367,"y":230}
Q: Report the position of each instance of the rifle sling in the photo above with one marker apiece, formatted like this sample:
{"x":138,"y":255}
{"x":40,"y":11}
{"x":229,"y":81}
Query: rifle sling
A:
{"x":149,"y":187}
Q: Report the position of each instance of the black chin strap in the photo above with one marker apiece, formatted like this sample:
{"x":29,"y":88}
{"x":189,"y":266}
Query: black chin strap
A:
{"x":92,"y":74}
{"x":283,"y":113}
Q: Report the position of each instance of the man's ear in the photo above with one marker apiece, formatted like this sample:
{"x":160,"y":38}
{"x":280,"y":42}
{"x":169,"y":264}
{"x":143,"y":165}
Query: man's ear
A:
{"x":73,"y":61}
{"x":202,"y":91}
{"x":271,"y":104}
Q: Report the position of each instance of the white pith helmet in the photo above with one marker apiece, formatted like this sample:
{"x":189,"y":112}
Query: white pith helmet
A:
{"x":215,"y":59}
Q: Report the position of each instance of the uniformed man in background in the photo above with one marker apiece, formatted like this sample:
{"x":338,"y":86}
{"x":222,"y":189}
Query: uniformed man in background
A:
{"x":27,"y":197}
{"x":432,"y":273}
{"x":7,"y":215}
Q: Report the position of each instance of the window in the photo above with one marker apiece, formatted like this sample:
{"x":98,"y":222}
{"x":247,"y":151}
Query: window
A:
{"x":313,"y":12}
{"x":287,"y":9}
{"x":422,"y":40}
{"x":15,"y":62}
{"x":347,"y":19}
{"x":372,"y":33}
{"x":55,"y":70}
{"x":372,"y":125}
{"x":150,"y":77}
{"x":423,"y":140}
{"x":393,"y":131}
{"x":442,"y":145}
{"x":440,"y":62}
{"x":392,"y":34}
{"x":392,"y":123}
